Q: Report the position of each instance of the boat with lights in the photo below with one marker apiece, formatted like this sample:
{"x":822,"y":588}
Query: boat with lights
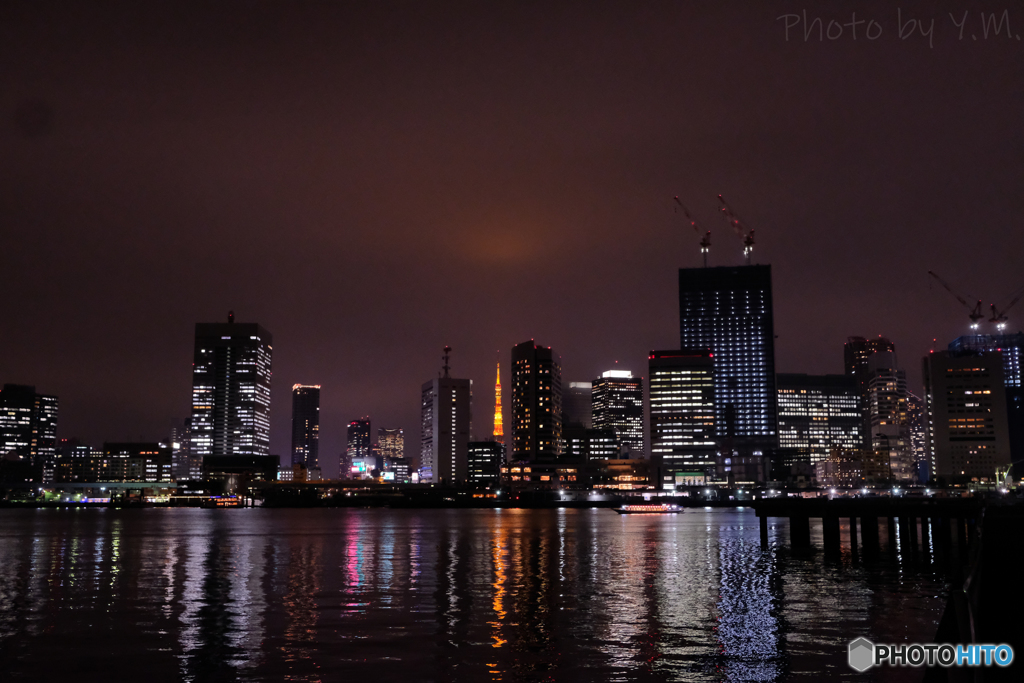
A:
{"x":649,"y":509}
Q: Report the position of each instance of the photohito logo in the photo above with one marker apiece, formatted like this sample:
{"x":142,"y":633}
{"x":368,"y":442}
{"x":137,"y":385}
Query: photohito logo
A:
{"x":863,"y":654}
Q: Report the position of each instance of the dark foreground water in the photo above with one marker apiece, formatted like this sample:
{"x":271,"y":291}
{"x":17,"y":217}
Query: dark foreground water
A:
{"x":438,"y":595}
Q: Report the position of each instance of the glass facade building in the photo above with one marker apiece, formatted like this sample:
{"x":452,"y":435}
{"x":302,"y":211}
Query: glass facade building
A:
{"x":818,"y":413}
{"x":445,"y":423}
{"x":682,"y":416}
{"x":306,"y":425}
{"x":1011,"y":348}
{"x":28,"y":427}
{"x":536,"y":404}
{"x":618,"y":405}
{"x":728,"y":311}
{"x":231,"y":390}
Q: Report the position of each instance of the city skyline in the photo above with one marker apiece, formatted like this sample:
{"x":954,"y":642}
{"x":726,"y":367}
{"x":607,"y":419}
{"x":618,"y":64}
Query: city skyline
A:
{"x":517,"y":171}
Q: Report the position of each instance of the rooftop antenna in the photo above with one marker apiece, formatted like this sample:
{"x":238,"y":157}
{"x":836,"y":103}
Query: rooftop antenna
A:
{"x":705,"y":242}
{"x":231,"y":316}
{"x":446,"y":367}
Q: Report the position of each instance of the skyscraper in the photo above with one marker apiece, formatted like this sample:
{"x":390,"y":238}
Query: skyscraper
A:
{"x":28,"y":427}
{"x":967,"y":436}
{"x":728,"y":310}
{"x":618,"y":404}
{"x":392,"y":444}
{"x":817,"y":414}
{"x":682,"y":417}
{"x":536,"y":404}
{"x":1011,"y":349}
{"x":577,"y":404}
{"x":231,"y":389}
{"x":856,"y":352}
{"x":445,"y":425}
{"x":306,"y":425}
{"x":359,"y":455}
{"x":888,"y":414}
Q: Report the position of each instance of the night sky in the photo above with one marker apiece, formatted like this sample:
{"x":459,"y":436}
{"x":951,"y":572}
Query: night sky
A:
{"x":373,"y":181}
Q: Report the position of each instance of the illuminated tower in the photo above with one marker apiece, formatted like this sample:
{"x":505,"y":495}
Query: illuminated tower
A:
{"x":499,"y":432}
{"x":231,"y":389}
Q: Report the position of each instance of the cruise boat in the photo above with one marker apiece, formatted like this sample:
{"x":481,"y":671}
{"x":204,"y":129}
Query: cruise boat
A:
{"x":649,"y":509}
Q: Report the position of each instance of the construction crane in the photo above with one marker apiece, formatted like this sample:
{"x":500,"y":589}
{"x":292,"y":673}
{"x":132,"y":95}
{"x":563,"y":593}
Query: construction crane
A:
{"x":705,"y":242}
{"x":999,"y":314}
{"x":974,"y":312}
{"x":747,"y":234}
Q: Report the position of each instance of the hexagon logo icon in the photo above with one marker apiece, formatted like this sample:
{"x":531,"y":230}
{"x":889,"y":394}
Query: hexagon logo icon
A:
{"x":862,"y":654}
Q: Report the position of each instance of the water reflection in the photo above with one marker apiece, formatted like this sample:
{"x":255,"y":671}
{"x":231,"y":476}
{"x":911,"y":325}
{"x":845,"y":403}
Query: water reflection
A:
{"x":513,"y":595}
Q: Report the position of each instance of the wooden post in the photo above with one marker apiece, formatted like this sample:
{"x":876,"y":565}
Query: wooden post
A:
{"x":869,"y":535}
{"x":853,"y":537}
{"x":800,"y":531}
{"x":764,"y":531}
{"x":961,"y":539}
{"x":830,"y":534}
{"x":891,"y":521}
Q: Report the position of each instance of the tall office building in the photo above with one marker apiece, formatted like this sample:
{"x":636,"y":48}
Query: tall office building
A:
{"x":817,"y":414}
{"x":306,"y":425}
{"x":231,"y":390}
{"x":445,"y":422}
{"x":618,"y":404}
{"x":1011,"y":349}
{"x":577,"y":404}
{"x":856,"y":352}
{"x":967,"y":434}
{"x":359,"y":452}
{"x":916,"y":421}
{"x":729,"y":311}
{"x":887,"y":401}
{"x":28,"y":427}
{"x":485,"y":460}
{"x":682,"y":417}
{"x":536,"y":404}
{"x":392,"y":445}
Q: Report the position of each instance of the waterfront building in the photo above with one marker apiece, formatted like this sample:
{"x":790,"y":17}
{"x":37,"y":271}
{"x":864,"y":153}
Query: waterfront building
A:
{"x":682,"y":419}
{"x":618,"y":405}
{"x":28,"y":427}
{"x":916,"y":421}
{"x":583,"y":445}
{"x":853,"y":468}
{"x":391,"y":443}
{"x":536,"y":404}
{"x":728,"y":310}
{"x":856,"y":352}
{"x":888,"y":413}
{"x":306,"y":425}
{"x":1011,"y":349}
{"x":577,"y":404}
{"x":399,"y":471}
{"x":136,"y":461}
{"x":967,"y":434}
{"x":817,"y":413}
{"x":622,"y":474}
{"x":231,"y":390}
{"x":445,"y":419}
{"x":485,"y":461}
{"x":359,"y":450}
